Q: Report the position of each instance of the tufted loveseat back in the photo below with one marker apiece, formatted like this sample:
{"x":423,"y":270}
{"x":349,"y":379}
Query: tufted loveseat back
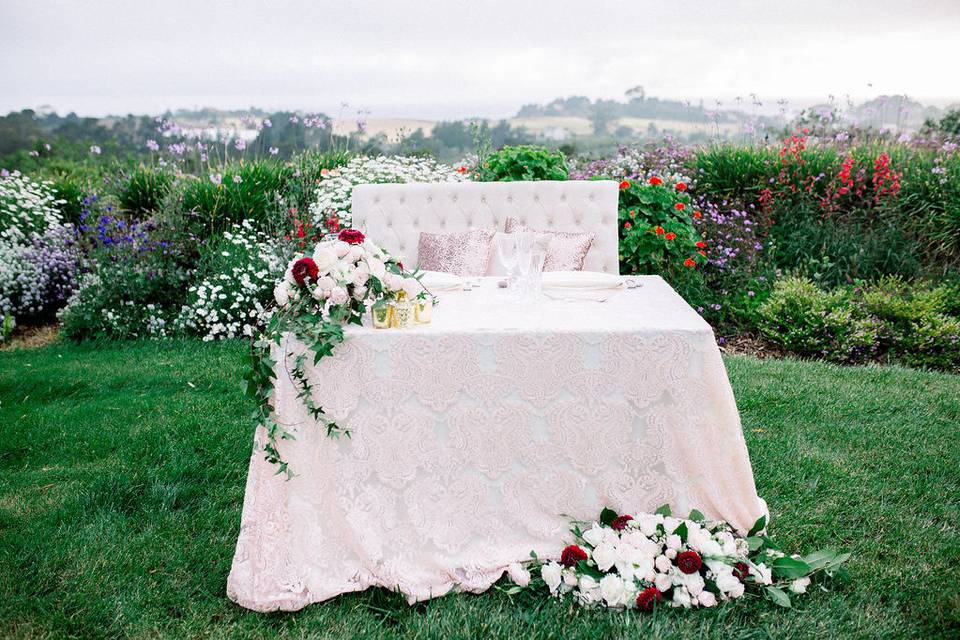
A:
{"x":393,"y":215}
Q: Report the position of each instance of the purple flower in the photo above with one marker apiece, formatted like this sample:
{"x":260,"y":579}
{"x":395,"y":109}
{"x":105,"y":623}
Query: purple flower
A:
{"x":274,"y":151}
{"x":95,"y":150}
{"x":216,"y":178}
{"x":237,"y":179}
{"x":152,"y":145}
{"x":240,"y":144}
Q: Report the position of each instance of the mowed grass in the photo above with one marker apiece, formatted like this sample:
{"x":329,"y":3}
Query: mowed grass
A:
{"x":122,"y":472}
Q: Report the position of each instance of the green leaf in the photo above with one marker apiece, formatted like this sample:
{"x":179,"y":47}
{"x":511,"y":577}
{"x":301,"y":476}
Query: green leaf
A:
{"x":607,"y":516}
{"x":778,"y":596}
{"x":696,"y":516}
{"x":754,"y":543}
{"x":664,"y":510}
{"x":790,"y":568}
{"x":819,"y":559}
{"x":586,"y":569}
{"x":758,"y":526}
{"x":681,"y":531}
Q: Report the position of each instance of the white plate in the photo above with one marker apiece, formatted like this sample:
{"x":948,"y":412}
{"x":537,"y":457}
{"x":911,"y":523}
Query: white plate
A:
{"x":439,"y":281}
{"x":580,"y":280}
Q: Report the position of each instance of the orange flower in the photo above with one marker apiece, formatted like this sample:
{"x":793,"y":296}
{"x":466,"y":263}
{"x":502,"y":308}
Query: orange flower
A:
{"x":679,"y":206}
{"x":627,"y":225}
{"x":624,"y":185}
{"x":701,"y":244}
{"x":658,"y":230}
{"x":654,"y":180}
{"x":697,"y":214}
{"x":670,"y":236}
{"x":681,"y":186}
{"x":689,"y":263}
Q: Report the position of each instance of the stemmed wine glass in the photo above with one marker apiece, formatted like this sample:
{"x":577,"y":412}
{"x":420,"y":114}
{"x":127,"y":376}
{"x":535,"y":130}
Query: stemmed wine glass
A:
{"x":507,"y":252}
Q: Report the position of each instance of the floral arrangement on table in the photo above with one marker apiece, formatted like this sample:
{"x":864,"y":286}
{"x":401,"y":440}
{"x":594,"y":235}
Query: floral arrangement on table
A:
{"x":332,"y":209}
{"x":318,"y":296}
{"x":656,"y":559}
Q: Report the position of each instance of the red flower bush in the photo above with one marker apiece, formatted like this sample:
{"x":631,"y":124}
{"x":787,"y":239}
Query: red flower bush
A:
{"x":351,"y":236}
{"x":658,"y":230}
{"x":679,"y":206}
{"x":649,"y":598}
{"x":305,"y":269}
{"x":625,"y":184}
{"x":701,"y":244}
{"x":681,"y":186}
{"x":654,"y":180}
{"x":689,"y":262}
{"x":689,"y":562}
{"x":627,"y":225}
{"x":671,"y":236}
{"x":572,"y":555}
{"x":620,"y":523}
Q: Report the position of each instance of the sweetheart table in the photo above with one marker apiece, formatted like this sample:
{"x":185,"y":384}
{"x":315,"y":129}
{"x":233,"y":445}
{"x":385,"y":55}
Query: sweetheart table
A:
{"x":477,"y":438}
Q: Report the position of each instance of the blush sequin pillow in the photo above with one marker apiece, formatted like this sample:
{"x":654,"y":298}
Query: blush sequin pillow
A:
{"x":464,"y":253}
{"x":566,"y":250}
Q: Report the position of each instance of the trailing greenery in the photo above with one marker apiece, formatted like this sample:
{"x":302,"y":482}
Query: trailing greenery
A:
{"x":523,"y":162}
{"x":122,"y":471}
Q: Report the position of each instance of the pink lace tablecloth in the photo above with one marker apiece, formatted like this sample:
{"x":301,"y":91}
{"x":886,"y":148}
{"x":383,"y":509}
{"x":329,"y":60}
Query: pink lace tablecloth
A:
{"x":475,"y":440}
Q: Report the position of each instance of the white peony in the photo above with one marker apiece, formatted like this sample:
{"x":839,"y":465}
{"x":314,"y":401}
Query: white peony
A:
{"x":663,"y":564}
{"x":325,"y":257}
{"x":648,"y":523}
{"x":670,"y":553}
{"x":359,"y":293}
{"x":594,"y":535}
{"x":570,"y":578}
{"x":341,"y":248}
{"x":674,"y":542}
{"x":552,"y":575}
{"x":605,"y":556}
{"x":762,"y":573}
{"x":800,"y":585}
{"x":707,"y":599}
{"x":729,"y":584}
{"x":326,"y":283}
{"x":589,"y":590}
{"x":694,"y":583}
{"x":681,"y":598}
{"x":360,"y":276}
{"x":670,"y":524}
{"x":611,"y":590}
{"x":355,"y":253}
{"x":339,"y":296}
{"x":376,"y":267}
{"x":662,"y":582}
{"x":319,"y":293}
{"x":392,"y":282}
{"x":518,"y":574}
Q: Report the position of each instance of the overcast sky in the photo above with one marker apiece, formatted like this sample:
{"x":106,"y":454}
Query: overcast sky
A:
{"x":457,"y":58}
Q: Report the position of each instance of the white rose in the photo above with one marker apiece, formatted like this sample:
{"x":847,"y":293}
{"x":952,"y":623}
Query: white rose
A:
{"x":570,"y":577}
{"x":707,"y":599}
{"x":800,"y":585}
{"x":376,"y":267}
{"x":647,"y":523}
{"x":730,"y":585}
{"x":392,"y":282}
{"x":694,"y":583}
{"x":281,"y":293}
{"x":341,"y":248}
{"x":325,"y":257}
{"x":663,"y":564}
{"x":319,"y":293}
{"x":762,"y":573}
{"x":681,"y":598}
{"x":519,"y":574}
{"x":662,"y":582}
{"x":674,"y":542}
{"x":552,"y":575}
{"x":604,"y":555}
{"x":359,"y":293}
{"x":355,"y":253}
{"x":326,"y":283}
{"x":589,"y":592}
{"x":594,"y":535}
{"x":671,"y":553}
{"x":670,"y":524}
{"x":611,"y":590}
{"x":339,"y":295}
{"x":360,"y":277}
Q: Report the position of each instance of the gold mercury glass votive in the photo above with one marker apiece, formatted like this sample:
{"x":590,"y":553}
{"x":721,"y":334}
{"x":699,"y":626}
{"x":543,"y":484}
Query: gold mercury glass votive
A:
{"x":382,"y":311}
{"x":402,"y":317}
{"x":423,"y":310}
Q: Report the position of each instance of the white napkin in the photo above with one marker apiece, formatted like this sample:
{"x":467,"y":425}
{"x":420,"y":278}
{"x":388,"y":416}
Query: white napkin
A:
{"x":580,"y":280}
{"x":439,"y":281}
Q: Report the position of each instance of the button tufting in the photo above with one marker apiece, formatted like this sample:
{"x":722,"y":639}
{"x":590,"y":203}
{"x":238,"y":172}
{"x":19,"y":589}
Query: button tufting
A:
{"x":389,"y":223}
{"x":455,"y":198}
{"x":536,"y":198}
{"x":376,"y":198}
{"x":429,"y":198}
{"x":509,"y":198}
{"x":591,"y":197}
{"x":483,"y":199}
{"x":563,"y":198}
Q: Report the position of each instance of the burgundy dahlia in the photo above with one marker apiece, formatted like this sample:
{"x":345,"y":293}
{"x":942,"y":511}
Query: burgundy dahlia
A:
{"x":689,"y":562}
{"x":741,"y":570}
{"x":620,"y":523}
{"x":572,"y":555}
{"x":351,"y":236}
{"x":648,"y":598}
{"x":305,"y":269}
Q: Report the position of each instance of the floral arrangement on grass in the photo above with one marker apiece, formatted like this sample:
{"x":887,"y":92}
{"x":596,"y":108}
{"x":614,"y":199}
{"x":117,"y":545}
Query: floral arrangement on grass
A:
{"x":331,"y":211}
{"x":651,"y":560}
{"x":318,"y":295}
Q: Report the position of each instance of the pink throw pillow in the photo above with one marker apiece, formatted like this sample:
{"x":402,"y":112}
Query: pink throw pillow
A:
{"x":566,"y":250}
{"x":466,"y":253}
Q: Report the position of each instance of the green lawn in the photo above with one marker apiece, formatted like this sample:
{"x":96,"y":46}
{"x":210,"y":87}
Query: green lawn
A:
{"x":122,"y":472}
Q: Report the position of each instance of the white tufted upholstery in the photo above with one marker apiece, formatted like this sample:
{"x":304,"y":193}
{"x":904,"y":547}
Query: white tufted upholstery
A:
{"x":393,"y":215}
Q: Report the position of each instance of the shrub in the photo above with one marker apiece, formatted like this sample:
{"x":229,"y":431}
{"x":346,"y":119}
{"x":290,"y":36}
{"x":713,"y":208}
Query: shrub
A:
{"x":239,"y":273}
{"x":203,"y":207}
{"x":26,"y":205}
{"x":656,"y":230}
{"x":142,"y":190}
{"x":331,"y":208}
{"x":523,"y":162}
{"x":668,"y":161}
{"x":37,"y":274}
